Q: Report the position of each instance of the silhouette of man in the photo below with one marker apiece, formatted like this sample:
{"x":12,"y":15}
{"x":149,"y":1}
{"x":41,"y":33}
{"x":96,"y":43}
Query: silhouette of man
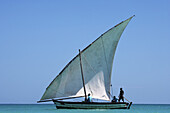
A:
{"x":121,"y":95}
{"x":114,"y":99}
{"x":89,"y":99}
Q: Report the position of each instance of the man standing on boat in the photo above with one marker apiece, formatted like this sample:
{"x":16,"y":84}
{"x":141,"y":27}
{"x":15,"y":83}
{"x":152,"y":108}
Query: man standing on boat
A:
{"x":121,"y":95}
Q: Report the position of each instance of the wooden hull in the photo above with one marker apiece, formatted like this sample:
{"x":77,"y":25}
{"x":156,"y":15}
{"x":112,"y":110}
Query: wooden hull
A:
{"x":92,"y":105}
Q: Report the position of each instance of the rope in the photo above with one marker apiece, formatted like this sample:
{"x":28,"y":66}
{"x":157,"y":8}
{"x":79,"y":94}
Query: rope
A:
{"x":92,"y":70}
{"x":126,"y":99}
{"x":90,"y":90}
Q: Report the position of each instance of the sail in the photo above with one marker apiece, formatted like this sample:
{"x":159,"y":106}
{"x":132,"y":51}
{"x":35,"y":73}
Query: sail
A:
{"x":97,"y":61}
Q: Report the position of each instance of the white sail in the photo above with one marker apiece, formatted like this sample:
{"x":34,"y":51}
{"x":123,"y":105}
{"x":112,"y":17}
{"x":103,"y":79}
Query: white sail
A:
{"x":97,"y":61}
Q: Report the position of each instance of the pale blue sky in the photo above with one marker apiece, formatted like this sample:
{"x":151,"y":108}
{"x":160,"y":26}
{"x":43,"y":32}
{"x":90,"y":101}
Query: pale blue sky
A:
{"x":38,"y":38}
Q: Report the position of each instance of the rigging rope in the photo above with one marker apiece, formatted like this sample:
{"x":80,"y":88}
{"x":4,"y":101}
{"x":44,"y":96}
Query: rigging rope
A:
{"x":92,"y":69}
{"x":89,"y":64}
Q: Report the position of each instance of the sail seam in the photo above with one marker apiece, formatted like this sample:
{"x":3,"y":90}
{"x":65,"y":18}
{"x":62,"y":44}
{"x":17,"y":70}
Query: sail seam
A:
{"x":105,"y":54}
{"x":89,"y":64}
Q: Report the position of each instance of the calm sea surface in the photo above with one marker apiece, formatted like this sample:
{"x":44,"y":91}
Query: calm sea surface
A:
{"x":50,"y":108}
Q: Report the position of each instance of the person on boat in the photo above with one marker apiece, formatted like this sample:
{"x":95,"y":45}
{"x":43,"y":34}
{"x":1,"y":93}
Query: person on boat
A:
{"x":121,"y":95}
{"x":114,"y":99}
{"x":89,"y":99}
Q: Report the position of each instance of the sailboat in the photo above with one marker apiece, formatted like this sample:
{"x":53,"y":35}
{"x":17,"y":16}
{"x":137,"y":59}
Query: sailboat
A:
{"x":89,"y":72}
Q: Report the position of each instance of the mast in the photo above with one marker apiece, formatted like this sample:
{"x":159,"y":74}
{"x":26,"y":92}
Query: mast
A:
{"x":82,"y":76}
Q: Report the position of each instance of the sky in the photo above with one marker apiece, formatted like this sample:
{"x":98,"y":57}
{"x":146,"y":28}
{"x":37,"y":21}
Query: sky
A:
{"x":39,"y":37}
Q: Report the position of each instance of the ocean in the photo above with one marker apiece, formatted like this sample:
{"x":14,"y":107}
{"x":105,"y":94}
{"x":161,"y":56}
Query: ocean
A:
{"x":50,"y":108}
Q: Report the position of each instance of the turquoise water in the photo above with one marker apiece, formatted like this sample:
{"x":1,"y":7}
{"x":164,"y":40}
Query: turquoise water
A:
{"x":50,"y":108}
